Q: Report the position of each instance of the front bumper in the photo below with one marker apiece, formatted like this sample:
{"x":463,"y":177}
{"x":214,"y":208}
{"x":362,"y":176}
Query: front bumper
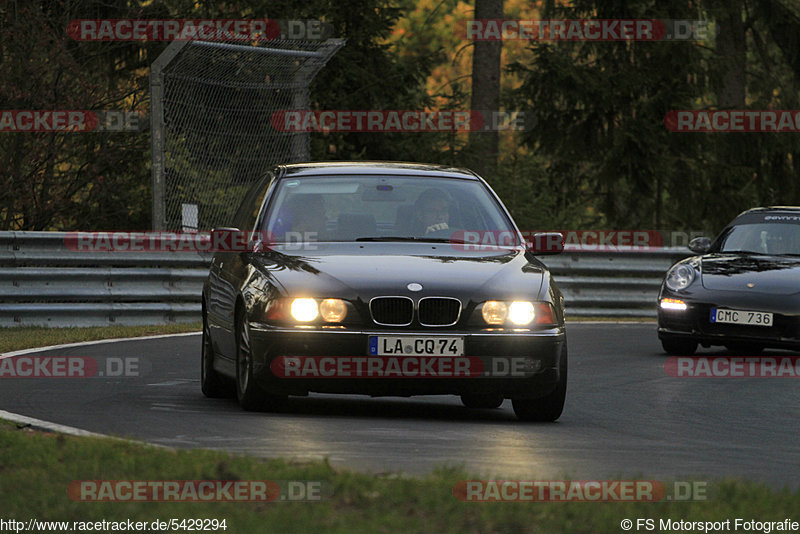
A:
{"x":497,"y":352}
{"x":694,"y":323}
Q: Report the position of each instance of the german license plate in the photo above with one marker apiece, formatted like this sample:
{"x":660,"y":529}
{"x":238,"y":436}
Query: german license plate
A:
{"x":416,"y":346}
{"x":751,"y":318}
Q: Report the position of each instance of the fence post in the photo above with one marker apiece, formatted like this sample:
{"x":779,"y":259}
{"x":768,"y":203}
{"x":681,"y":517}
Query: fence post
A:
{"x":157,"y":132}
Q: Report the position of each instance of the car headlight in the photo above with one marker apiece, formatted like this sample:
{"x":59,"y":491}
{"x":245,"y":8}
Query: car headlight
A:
{"x":304,"y":310}
{"x":521,"y":312}
{"x":518,"y":312}
{"x":680,"y":277}
{"x":494,"y":312}
{"x":333,"y":310}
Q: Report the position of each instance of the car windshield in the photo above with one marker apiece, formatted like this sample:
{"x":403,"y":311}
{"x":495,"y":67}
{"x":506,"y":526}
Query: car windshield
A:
{"x":763,"y":238}
{"x":385,"y":208}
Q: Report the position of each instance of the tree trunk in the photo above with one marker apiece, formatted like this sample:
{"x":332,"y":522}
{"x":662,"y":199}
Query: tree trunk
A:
{"x":483,"y":146}
{"x":732,"y":48}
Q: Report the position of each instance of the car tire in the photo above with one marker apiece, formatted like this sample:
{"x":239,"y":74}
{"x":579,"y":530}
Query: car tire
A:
{"x":250,"y":395}
{"x":212,"y":383}
{"x":679,"y":346}
{"x":549,"y":407}
{"x":482,"y":401}
{"x":745,"y":349}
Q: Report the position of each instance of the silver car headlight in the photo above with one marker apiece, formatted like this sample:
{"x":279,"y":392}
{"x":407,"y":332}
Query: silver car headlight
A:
{"x":680,"y":277}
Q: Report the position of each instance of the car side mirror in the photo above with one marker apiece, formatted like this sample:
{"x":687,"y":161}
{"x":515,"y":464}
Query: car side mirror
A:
{"x":546,"y":243}
{"x":700,"y":245}
{"x":228,"y":239}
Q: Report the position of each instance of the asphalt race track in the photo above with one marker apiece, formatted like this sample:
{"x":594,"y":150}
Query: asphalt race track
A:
{"x":625,"y":416}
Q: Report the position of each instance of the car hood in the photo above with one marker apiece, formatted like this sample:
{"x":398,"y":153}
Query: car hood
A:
{"x":356,"y":270}
{"x":774,"y":275}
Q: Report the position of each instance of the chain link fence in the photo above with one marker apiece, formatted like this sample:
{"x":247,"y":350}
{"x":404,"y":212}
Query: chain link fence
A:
{"x":212,"y":103}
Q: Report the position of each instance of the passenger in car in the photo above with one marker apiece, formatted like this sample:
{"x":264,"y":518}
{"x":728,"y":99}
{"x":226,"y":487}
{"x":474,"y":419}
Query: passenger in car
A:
{"x":431,"y":211}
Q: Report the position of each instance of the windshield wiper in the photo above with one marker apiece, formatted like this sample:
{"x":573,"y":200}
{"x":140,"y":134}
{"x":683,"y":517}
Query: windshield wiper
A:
{"x":409,"y":238}
{"x":750,"y":252}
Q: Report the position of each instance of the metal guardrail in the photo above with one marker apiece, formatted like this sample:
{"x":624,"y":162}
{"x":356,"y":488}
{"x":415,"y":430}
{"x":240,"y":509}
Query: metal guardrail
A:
{"x":44,"y":283}
{"x":620,"y":283}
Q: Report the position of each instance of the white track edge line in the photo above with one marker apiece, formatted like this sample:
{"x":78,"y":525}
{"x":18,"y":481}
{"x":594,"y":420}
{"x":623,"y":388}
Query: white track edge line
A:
{"x":47,"y":425}
{"x":94,"y":342}
{"x":39,"y":424}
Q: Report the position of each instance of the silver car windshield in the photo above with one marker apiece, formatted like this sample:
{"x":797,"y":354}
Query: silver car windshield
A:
{"x":386,"y":208}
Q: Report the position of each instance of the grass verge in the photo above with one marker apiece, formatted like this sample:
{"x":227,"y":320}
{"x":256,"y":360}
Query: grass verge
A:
{"x":30,"y":337}
{"x":36,"y":469}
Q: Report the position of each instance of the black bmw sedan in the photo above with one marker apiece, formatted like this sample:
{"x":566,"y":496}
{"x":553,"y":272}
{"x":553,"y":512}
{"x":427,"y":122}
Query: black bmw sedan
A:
{"x":384,"y":279}
{"x":742,"y":290}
